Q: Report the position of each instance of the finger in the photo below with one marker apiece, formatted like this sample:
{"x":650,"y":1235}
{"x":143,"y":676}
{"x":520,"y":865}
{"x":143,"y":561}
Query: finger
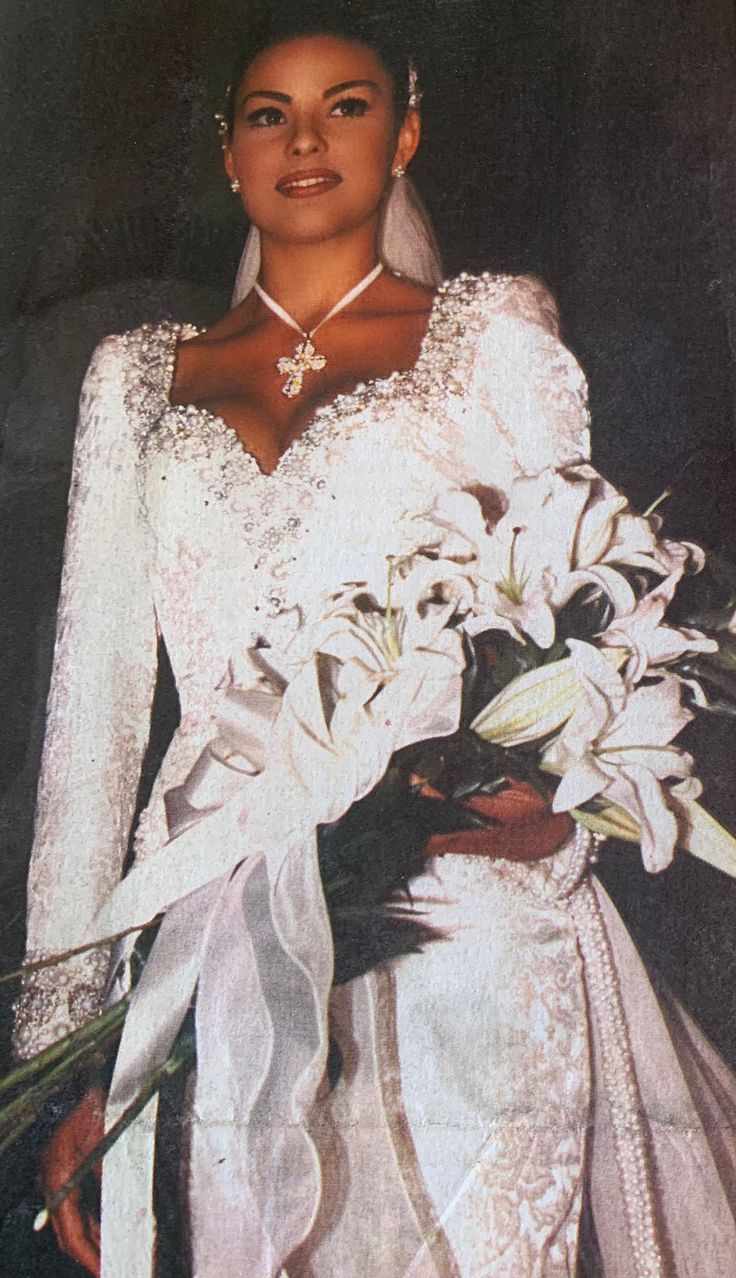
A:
{"x":530,"y":842}
{"x":518,"y":803}
{"x":69,"y":1226}
{"x":426,"y":790}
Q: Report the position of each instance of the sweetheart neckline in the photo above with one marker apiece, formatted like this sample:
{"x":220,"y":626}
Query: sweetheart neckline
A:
{"x":360,"y":395}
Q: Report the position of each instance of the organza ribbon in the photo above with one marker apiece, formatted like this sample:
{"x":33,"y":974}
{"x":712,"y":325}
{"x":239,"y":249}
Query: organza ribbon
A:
{"x":245,"y":925}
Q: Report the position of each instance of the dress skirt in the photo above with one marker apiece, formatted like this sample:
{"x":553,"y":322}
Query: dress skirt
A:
{"x":516,"y":1076}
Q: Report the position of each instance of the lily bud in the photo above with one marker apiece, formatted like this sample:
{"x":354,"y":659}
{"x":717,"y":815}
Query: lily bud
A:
{"x":536,"y":704}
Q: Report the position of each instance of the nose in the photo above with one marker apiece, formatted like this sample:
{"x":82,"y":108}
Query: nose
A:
{"x":306,"y":137}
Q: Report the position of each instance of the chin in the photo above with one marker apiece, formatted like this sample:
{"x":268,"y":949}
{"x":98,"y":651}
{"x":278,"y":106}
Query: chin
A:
{"x":313,"y":222}
{"x":314,"y":232}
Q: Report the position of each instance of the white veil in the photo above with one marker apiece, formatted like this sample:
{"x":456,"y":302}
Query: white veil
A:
{"x":407,"y":243}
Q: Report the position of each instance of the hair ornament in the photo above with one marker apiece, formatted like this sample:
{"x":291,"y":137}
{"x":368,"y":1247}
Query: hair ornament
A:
{"x":220,"y":118}
{"x":415,"y":93}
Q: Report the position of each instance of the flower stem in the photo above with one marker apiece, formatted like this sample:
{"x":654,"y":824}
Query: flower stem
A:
{"x":20,"y":1128}
{"x":180,"y":1056}
{"x":28,"y":1104}
{"x":47,"y":1058}
{"x":53,"y":959}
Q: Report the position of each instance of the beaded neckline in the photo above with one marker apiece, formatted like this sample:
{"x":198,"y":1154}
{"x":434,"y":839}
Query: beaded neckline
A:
{"x":323,"y":416}
{"x":442,"y":370}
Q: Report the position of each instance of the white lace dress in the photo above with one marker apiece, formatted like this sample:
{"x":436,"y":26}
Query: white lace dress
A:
{"x":487,"y":1080}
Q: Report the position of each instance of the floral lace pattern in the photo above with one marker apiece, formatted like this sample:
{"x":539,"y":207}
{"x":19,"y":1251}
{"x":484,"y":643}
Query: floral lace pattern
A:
{"x":97,"y":714}
{"x":512,"y":1205}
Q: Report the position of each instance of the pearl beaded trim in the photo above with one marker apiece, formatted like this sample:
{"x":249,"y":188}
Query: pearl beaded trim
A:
{"x":629,"y":1131}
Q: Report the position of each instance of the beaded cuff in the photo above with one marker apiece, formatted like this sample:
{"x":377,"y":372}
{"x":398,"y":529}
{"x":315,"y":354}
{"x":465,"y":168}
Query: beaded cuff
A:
{"x":57,"y":1000}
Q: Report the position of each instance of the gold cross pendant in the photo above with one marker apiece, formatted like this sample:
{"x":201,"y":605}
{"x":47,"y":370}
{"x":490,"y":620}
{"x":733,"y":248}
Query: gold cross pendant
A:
{"x":305,"y":359}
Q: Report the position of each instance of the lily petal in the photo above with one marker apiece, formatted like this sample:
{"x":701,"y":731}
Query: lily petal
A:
{"x":596,"y":530}
{"x":639,"y":793}
{"x":612,"y":583}
{"x":579,"y":785}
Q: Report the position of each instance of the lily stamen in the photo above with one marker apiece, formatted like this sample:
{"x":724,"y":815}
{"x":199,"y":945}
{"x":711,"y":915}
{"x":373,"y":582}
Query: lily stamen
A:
{"x":657,"y":502}
{"x":513,"y":586}
{"x":393,"y":646}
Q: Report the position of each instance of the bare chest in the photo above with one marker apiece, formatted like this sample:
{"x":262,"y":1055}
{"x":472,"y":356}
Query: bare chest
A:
{"x":267,"y":385}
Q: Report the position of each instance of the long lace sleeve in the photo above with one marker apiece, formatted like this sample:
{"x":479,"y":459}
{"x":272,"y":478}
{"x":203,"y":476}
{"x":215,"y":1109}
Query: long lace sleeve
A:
{"x":527,"y":383}
{"x":98,"y":712}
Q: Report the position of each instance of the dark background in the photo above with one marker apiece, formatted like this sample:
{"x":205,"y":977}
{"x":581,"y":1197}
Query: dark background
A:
{"x":593,"y":144}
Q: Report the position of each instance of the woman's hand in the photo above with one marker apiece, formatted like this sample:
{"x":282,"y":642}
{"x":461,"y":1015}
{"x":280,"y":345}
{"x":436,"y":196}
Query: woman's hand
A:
{"x":524,"y":827}
{"x":77,"y":1231}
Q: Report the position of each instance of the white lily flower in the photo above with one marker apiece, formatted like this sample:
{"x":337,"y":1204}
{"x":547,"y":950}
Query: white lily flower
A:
{"x":650,"y":642}
{"x":618,"y":745}
{"x":609,"y":536}
{"x":521,"y":563}
{"x":382,"y":673}
{"x":531,"y":706}
{"x":375,"y":653}
{"x":679,"y":557}
{"x":380,"y":632}
{"x":562,"y":530}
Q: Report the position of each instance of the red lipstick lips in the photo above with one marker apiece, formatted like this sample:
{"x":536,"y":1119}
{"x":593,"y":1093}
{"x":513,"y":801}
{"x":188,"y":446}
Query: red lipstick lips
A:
{"x":306,"y":182}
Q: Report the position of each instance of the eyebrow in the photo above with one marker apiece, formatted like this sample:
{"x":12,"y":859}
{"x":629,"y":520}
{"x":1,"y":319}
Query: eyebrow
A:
{"x":328,"y":93}
{"x":352,"y":84}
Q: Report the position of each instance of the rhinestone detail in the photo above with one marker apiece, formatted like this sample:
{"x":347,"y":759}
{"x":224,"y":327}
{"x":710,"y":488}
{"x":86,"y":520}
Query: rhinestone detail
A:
{"x":58,"y":999}
{"x":273,"y":508}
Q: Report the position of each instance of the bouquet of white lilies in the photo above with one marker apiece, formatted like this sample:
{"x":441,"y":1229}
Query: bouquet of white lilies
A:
{"x":583,"y":585}
{"x":561,"y":644}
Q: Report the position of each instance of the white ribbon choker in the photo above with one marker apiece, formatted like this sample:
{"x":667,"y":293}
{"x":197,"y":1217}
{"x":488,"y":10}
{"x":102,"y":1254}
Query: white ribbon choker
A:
{"x":305,"y":357}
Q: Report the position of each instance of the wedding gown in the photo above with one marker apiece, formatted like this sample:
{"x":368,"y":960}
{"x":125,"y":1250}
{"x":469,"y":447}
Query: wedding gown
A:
{"x":493,"y":1081}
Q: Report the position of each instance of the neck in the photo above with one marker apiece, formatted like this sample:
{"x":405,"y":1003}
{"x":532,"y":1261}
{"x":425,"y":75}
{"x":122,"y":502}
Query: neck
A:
{"x":309,"y":279}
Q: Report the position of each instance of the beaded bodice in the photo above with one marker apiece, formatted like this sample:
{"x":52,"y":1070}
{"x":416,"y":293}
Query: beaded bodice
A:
{"x":175,"y":531}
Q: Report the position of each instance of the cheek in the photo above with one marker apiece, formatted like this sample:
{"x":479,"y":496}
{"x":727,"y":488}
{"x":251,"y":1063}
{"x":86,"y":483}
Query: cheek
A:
{"x":364,"y":155}
{"x":258,"y":156}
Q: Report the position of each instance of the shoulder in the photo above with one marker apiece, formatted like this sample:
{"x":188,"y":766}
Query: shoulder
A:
{"x":482,"y":299}
{"x":517,"y":371}
{"x":509,"y":326}
{"x":128,"y":352}
{"x":106,"y":361}
{"x":126,"y":377}
{"x":103,"y":385}
{"x":134,"y":367}
{"x":506,"y":327}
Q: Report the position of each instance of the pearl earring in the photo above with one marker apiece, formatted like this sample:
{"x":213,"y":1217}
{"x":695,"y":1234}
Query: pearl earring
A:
{"x":399,"y":171}
{"x":235,"y":186}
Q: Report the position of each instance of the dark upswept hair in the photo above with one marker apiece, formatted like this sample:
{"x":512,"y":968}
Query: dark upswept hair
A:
{"x":387,"y":31}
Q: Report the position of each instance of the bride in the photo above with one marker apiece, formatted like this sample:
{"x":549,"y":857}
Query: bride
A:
{"x":514,"y":1102}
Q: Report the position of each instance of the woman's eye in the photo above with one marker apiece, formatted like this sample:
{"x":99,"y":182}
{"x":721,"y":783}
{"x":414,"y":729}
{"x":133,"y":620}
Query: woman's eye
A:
{"x":350,"y":107}
{"x":265,"y":117}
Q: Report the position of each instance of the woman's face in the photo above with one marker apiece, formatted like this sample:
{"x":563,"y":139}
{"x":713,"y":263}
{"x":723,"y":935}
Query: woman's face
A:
{"x":314,"y":138}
